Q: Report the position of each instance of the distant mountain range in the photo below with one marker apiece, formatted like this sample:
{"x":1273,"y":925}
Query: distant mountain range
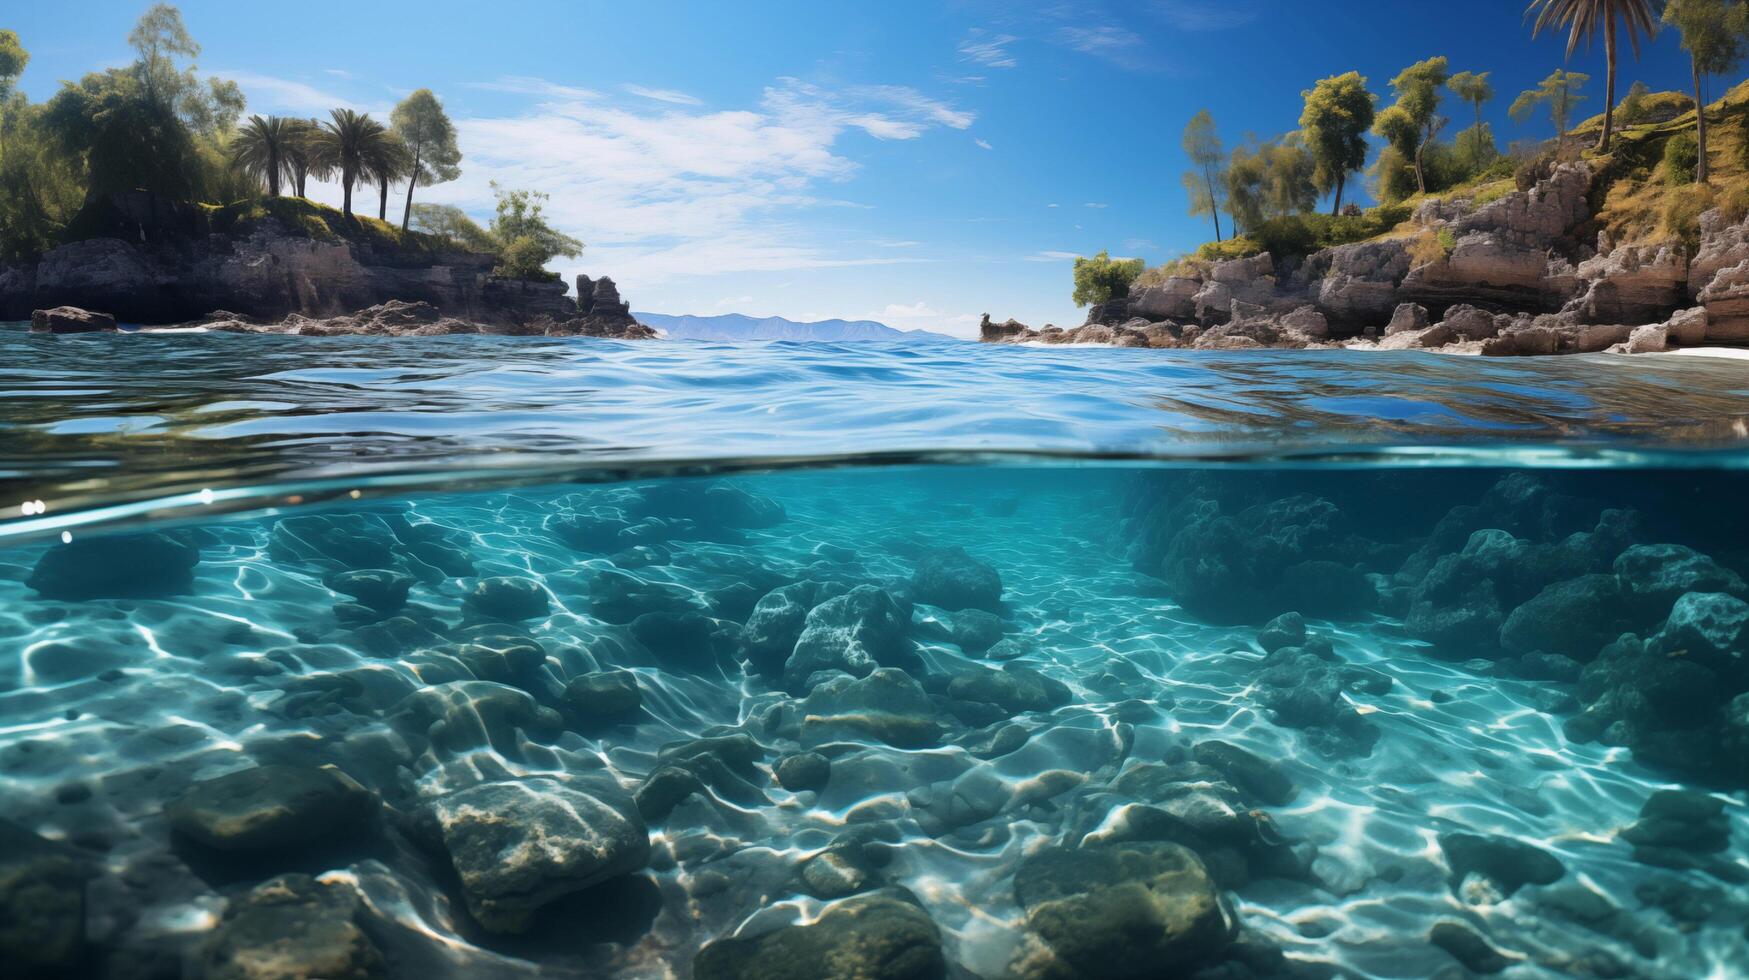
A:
{"x":734,"y":326}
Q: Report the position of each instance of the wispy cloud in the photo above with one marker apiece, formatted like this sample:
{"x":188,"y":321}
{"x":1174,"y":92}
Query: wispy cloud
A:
{"x":1107,"y":41}
{"x":887,"y":243}
{"x":983,"y":144}
{"x":284,"y":96}
{"x":526,"y":85}
{"x":662,"y":95}
{"x":1096,"y":205}
{"x":1200,"y":16}
{"x":922,"y":316}
{"x":1052,"y":256}
{"x":989,"y":50}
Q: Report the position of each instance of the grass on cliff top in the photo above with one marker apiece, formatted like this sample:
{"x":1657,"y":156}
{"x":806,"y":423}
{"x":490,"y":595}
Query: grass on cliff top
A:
{"x":320,"y":223}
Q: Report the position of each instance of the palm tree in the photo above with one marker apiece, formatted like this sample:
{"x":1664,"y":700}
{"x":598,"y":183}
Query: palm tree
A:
{"x":387,"y":163}
{"x":262,"y":149}
{"x":301,"y":154}
{"x":1583,"y":18}
{"x":348,"y":146}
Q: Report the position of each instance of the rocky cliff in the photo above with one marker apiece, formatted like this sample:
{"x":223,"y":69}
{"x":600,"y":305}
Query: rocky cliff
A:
{"x":1511,"y":276}
{"x":152,"y":262}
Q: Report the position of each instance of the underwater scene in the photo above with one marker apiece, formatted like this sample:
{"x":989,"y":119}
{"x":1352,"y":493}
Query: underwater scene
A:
{"x":1417,"y":707}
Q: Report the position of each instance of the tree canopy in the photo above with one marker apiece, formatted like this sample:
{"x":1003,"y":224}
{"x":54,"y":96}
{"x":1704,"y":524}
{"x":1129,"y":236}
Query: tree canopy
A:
{"x":1713,"y":34}
{"x":1559,"y":92}
{"x":1338,"y":113}
{"x":1202,"y":144}
{"x":526,"y":242}
{"x":433,"y":156}
{"x":1102,"y":278}
{"x":1413,"y":120}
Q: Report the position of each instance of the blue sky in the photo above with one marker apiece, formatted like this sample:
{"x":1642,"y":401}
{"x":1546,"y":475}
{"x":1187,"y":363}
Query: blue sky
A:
{"x":917,"y":163}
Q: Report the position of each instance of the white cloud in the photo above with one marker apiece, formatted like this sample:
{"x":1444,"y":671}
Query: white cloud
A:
{"x":1110,"y":42}
{"x":1140,"y":245}
{"x":888,"y":243}
{"x":921,"y":316}
{"x":1053,"y":205}
{"x":983,"y":144}
{"x":284,"y":96}
{"x":1052,"y":256}
{"x":526,"y":85}
{"x":990,"y":50}
{"x":663,"y":95}
{"x":730,"y":302}
{"x":1096,"y":205}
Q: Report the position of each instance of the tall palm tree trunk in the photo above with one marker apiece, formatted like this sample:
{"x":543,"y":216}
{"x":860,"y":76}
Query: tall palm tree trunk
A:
{"x":383,"y":201}
{"x":1700,"y":174}
{"x":346,"y":194}
{"x":1336,"y":206}
{"x":1608,"y":85}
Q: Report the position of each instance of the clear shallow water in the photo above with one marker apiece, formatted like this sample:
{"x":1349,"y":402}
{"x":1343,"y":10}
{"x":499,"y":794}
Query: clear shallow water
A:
{"x":1326,"y":788}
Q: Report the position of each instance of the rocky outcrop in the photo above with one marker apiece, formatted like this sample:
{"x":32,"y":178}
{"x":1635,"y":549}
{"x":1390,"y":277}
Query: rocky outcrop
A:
{"x":1516,"y":278}
{"x":398,"y":318}
{"x":162,"y":263}
{"x":70,"y":319}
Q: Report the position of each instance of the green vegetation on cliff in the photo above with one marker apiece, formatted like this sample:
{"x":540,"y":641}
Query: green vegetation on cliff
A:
{"x":157,"y":125}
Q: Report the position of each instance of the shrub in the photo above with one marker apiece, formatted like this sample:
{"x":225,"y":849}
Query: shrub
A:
{"x":1103,"y":278}
{"x":1430,"y":246}
{"x":1680,"y":217}
{"x":1734,"y":201}
{"x":1233,"y":248}
{"x":1681,"y":157}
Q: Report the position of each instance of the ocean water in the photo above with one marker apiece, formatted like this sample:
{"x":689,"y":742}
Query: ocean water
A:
{"x":489,"y":657}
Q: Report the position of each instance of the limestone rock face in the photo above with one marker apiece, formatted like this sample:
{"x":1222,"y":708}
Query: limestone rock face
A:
{"x":1632,"y":284}
{"x":1722,"y":245}
{"x":164,"y":264}
{"x":1358,"y":283}
{"x":1726,"y":299}
{"x":1174,"y":299}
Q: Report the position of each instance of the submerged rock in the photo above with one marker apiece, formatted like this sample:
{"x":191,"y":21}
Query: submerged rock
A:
{"x":518,"y":845}
{"x":880,"y":936}
{"x":887,"y":706}
{"x":1252,"y":774}
{"x":1124,"y":910}
{"x":380,"y":589}
{"x":803,"y":771}
{"x":954,"y":580}
{"x":292,"y":928}
{"x":507,"y":598}
{"x":1509,"y":863}
{"x":1467,"y":946}
{"x":854,"y":633}
{"x":122,"y":566}
{"x":42,"y":904}
{"x":272,"y":808}
{"x":605,"y":696}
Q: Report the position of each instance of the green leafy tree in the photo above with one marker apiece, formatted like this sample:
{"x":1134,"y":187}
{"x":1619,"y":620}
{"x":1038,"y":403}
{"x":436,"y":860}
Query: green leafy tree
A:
{"x":1203,"y":146}
{"x":1472,"y":152}
{"x":1713,"y":34}
{"x":350,"y":144}
{"x":161,"y":40}
{"x":41,"y":188}
{"x":453,"y":226}
{"x":1413,"y":121}
{"x":1633,"y":109}
{"x":526,"y":242}
{"x":1102,"y":278}
{"x":13,"y":58}
{"x":1474,"y":88}
{"x":1247,"y":171}
{"x":1338,"y":112}
{"x":262,"y":150}
{"x":1289,"y":177}
{"x":154,"y":125}
{"x":1584,"y":18}
{"x":1559,"y":92}
{"x":430,"y":139}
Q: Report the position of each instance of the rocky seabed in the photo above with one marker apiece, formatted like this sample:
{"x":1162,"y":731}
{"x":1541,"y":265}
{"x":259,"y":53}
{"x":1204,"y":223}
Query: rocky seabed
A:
{"x":1024,"y":722}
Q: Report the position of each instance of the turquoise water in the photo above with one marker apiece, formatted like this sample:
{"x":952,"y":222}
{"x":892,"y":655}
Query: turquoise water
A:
{"x":478,"y":657}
